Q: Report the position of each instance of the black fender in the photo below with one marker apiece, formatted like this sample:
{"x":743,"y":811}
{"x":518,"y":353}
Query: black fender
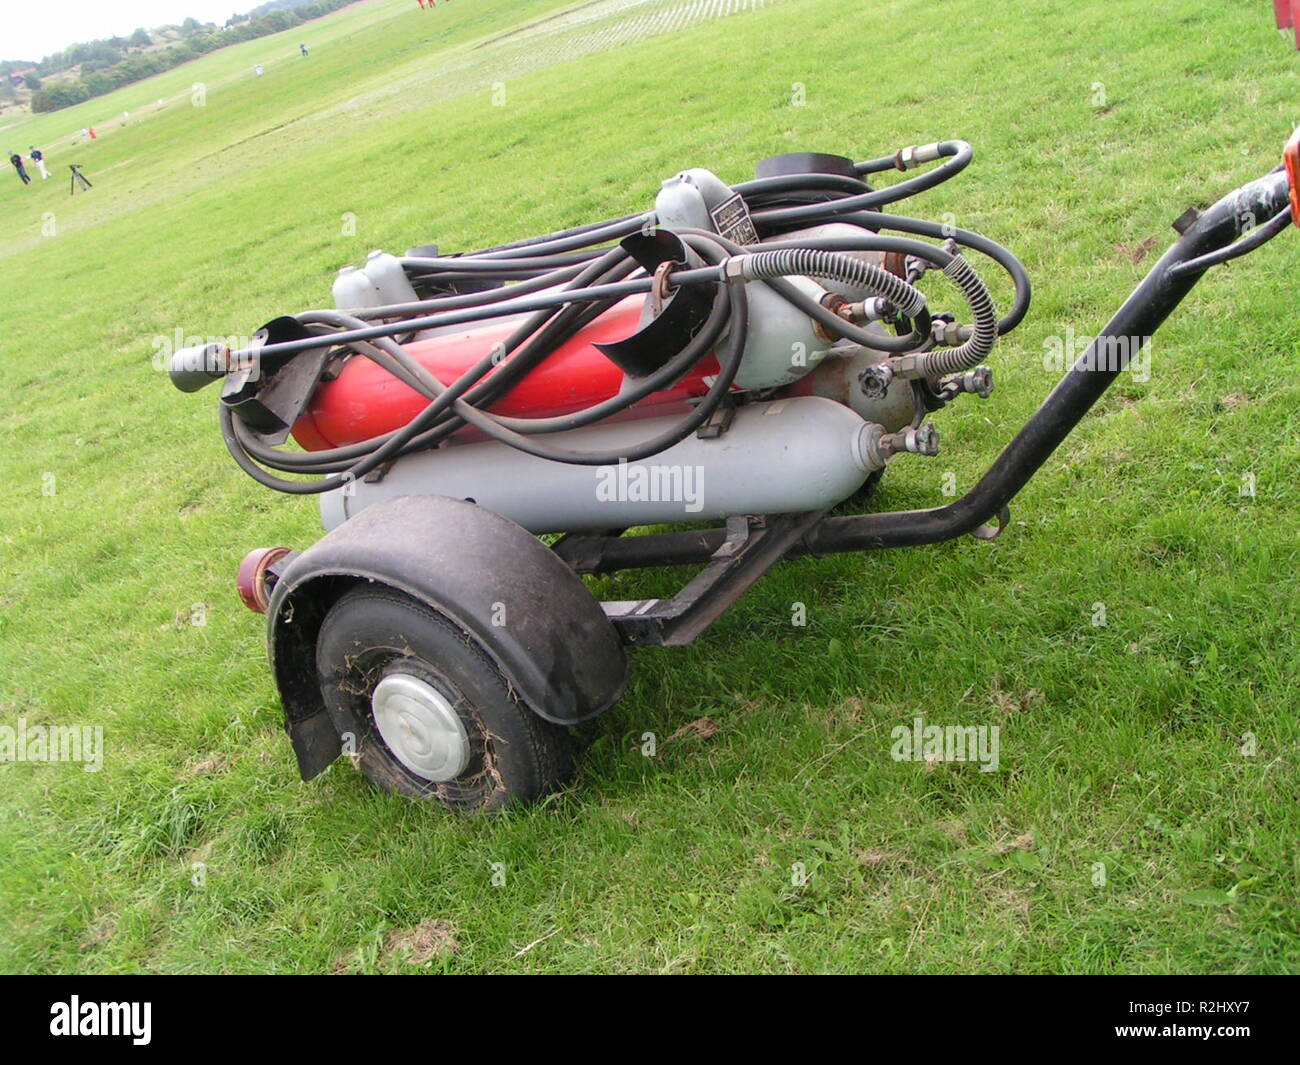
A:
{"x":501,"y":585}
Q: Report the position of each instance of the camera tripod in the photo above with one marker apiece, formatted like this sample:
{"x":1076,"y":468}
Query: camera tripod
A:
{"x":78,"y":179}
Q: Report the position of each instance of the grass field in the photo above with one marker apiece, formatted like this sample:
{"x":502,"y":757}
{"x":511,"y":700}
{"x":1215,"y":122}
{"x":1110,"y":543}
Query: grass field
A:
{"x":1143,"y":818}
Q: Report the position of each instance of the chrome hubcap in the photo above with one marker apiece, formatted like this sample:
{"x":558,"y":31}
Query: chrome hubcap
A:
{"x":420,"y":727}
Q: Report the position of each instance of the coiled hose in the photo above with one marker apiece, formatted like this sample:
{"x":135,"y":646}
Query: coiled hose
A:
{"x":590,"y":275}
{"x":836,"y":266}
{"x":975,"y":350}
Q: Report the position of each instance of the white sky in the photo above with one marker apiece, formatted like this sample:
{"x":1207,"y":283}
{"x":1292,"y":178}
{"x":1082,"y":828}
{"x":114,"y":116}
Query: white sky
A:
{"x":32,"y":29}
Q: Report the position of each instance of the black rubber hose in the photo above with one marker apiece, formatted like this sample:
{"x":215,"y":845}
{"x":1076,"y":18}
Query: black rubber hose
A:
{"x":465,"y":265}
{"x":469,"y":299}
{"x":625,"y":225}
{"x":319,"y":461}
{"x":800,"y":183}
{"x":958,"y":153}
{"x":697,"y":348}
{"x":828,"y":319}
{"x":730,"y":365}
{"x":569,"y":258}
{"x":243,"y":448}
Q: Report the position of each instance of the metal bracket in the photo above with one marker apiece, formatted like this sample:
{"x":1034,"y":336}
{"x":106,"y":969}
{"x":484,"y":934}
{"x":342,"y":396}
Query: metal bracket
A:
{"x":989,"y":531}
{"x":719,"y":421}
{"x":1186,"y":220}
{"x":751,"y":547}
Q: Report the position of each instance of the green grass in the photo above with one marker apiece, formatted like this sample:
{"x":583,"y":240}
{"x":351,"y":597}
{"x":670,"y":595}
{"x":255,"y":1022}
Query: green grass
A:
{"x":1121,"y":744}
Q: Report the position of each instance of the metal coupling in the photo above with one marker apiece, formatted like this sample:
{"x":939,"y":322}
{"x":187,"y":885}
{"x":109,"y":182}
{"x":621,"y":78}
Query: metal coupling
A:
{"x":948,"y":334}
{"x":734,"y":269}
{"x":914,"y":155}
{"x":839,"y":307}
{"x":917,"y":441}
{"x":978,"y":382}
{"x":875,"y":380}
{"x":908,"y":366}
{"x":871,"y":309}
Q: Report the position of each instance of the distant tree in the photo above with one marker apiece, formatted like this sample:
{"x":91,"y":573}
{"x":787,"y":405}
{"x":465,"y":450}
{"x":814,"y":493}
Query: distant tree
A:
{"x":100,"y":82}
{"x":278,"y":20}
{"x":112,"y":63}
{"x":32,"y":82}
{"x":63,"y":94}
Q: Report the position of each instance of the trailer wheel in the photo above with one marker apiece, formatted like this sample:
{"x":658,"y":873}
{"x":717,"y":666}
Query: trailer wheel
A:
{"x":429,"y":713}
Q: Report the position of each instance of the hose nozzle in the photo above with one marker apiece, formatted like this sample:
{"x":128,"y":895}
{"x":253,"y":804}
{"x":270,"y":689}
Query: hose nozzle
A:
{"x":192,"y":368}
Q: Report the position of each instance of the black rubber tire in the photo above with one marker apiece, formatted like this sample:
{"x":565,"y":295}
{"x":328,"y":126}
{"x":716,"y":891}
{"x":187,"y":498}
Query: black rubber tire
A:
{"x":516,"y":756}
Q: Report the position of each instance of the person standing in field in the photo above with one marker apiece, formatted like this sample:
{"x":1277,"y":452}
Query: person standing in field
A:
{"x":38,"y":157}
{"x":302,"y":48}
{"x":17,"y":160}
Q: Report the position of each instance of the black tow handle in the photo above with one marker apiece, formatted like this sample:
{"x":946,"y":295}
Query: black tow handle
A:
{"x":1214,"y":230}
{"x":1155,"y":298}
{"x":1245,"y":219}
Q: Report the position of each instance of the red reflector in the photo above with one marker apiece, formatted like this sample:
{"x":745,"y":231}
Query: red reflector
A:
{"x":1291,"y":155}
{"x":251,"y":580}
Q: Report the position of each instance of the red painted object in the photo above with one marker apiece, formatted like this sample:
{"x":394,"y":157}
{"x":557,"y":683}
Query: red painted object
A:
{"x":1291,"y":157}
{"x":251,"y":579}
{"x":1282,"y":12}
{"x":366,"y":401}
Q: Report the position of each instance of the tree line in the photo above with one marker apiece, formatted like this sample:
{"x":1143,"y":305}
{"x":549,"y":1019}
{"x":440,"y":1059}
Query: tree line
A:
{"x":109,"y":64}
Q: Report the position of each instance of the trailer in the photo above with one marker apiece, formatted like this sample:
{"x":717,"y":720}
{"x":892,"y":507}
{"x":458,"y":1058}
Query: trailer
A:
{"x":718,"y":381}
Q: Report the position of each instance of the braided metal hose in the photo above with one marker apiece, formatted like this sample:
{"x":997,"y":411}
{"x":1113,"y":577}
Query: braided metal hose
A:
{"x":974,"y":351}
{"x":810,"y":262}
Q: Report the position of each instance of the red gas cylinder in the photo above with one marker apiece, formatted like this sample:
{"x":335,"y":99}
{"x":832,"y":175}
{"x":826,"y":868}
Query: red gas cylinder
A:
{"x":365,"y":400}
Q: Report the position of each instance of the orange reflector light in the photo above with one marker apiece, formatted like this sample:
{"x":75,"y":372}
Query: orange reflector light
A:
{"x":1291,"y":155}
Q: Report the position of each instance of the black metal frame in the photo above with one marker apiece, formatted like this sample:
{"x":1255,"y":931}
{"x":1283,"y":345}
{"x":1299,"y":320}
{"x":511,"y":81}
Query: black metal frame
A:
{"x":735,"y":557}
{"x":751,"y":546}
